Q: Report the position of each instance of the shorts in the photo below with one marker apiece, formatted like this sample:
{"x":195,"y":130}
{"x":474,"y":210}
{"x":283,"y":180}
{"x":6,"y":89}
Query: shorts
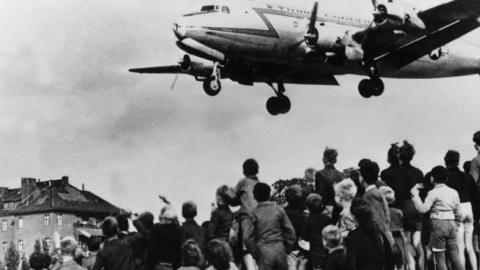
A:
{"x":443,"y":235}
{"x":467,"y":220}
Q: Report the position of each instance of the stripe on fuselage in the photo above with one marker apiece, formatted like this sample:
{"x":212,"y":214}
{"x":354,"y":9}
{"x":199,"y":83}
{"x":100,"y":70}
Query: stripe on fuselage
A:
{"x":270,"y":32}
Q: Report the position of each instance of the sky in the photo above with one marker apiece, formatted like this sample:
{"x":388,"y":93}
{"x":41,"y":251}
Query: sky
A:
{"x":68,"y":106}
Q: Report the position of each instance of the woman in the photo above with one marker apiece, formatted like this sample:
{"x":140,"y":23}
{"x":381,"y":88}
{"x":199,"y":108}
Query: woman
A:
{"x":367,"y":248}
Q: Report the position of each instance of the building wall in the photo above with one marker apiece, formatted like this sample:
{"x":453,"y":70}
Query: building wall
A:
{"x":34,"y":228}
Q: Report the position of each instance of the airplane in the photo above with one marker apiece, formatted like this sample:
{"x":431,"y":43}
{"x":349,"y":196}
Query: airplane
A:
{"x":305,"y":42}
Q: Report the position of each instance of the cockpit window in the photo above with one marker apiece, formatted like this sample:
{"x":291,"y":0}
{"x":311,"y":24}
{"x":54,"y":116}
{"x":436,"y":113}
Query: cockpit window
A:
{"x":210,"y":9}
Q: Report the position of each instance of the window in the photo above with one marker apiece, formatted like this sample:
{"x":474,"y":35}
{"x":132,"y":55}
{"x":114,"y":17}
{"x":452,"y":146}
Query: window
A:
{"x":225,"y":9}
{"x":4,"y":225}
{"x":47,"y":242}
{"x":59,"y":219}
{"x":4,"y":246}
{"x":20,"y":245}
{"x":46,"y":220}
{"x":20,"y":222}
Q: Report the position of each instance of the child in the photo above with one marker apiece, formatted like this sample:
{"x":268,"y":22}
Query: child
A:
{"x":345,"y":191}
{"x":269,"y":233}
{"x":192,"y":257}
{"x":217,"y":253}
{"x":295,"y":212}
{"x":396,"y":227}
{"x":190,"y":229}
{"x":332,"y":241}
{"x":444,"y":206}
{"x":312,"y":233}
{"x":221,"y":217}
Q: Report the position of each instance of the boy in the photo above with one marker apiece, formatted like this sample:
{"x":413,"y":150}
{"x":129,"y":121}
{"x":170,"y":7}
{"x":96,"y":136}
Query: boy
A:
{"x":443,"y":203}
{"x":190,"y":229}
{"x":332,"y":241}
{"x":221,"y":217}
{"x":269,"y":233}
{"x":312,"y":233}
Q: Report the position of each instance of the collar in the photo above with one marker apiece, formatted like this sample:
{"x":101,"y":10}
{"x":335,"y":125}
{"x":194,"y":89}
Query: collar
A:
{"x":265,"y":203}
{"x":253,"y":177}
{"x":369,"y":188}
{"x":330,"y":167}
{"x":336,"y":249}
{"x":190,"y":221}
{"x":67,"y":258}
{"x":453,"y":169}
{"x":440,"y":185}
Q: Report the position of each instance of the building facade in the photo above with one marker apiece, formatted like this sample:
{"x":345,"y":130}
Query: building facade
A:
{"x":48,"y":210}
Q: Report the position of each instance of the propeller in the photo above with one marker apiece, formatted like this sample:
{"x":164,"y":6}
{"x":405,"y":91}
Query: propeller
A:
{"x":311,"y":37}
{"x":184,"y":65}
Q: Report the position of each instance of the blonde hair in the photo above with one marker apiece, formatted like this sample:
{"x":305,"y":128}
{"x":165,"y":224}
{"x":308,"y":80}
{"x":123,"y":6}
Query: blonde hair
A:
{"x":332,"y":236}
{"x":346,"y":189}
{"x":389,"y":193}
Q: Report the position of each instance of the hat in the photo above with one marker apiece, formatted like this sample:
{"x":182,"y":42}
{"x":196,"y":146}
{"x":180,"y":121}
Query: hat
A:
{"x":168,"y":212}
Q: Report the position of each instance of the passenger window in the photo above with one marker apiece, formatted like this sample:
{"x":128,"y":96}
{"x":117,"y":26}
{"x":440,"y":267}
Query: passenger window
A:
{"x":225,"y":9}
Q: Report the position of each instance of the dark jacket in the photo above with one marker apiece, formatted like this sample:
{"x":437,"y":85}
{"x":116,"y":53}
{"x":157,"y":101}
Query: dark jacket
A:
{"x":115,"y":255}
{"x":220,"y":223}
{"x":380,"y":209}
{"x":365,"y":252}
{"x":324,"y":181}
{"x":463,"y":183}
{"x":402,"y":179}
{"x":191,"y":230}
{"x":313,"y":234}
{"x":70,"y":265}
{"x":165,"y":245}
{"x":298,"y":217}
{"x":336,"y":259}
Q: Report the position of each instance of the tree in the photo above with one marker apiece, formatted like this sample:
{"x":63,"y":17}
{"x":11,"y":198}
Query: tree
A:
{"x":12,"y":257}
{"x":280,"y":186}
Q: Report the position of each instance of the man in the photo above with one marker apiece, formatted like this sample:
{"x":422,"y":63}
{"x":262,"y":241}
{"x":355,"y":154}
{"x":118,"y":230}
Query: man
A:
{"x":269,"y":234}
{"x":475,"y":164}
{"x":326,"y":178}
{"x":369,"y":171}
{"x":443,"y":203}
{"x":68,"y":245}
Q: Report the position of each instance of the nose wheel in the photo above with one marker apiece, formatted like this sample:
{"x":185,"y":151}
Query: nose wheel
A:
{"x":212,"y":85}
{"x":371,"y":87}
{"x":279,"y":104}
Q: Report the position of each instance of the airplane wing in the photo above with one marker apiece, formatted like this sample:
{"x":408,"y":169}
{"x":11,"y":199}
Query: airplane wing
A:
{"x":416,"y":49}
{"x":160,"y":69}
{"x":444,"y":23}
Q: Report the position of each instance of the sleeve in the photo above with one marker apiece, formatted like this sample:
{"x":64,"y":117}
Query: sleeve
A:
{"x":249,"y":235}
{"x":475,"y":170}
{"x":235,"y":200}
{"x":386,"y":209}
{"x":425,"y":206}
{"x":212,"y":226}
{"x":288,"y":232}
{"x":99,"y":262}
{"x":457,"y":211}
{"x":351,"y":257}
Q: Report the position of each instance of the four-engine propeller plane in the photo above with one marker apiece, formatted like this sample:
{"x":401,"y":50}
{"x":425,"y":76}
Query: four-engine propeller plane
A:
{"x":255,"y":41}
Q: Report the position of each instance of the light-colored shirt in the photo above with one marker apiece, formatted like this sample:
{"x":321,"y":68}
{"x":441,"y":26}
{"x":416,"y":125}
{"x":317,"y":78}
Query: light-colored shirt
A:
{"x":442,"y":201}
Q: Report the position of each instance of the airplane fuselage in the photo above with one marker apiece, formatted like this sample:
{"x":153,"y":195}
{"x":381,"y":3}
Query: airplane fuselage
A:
{"x":263,"y":34}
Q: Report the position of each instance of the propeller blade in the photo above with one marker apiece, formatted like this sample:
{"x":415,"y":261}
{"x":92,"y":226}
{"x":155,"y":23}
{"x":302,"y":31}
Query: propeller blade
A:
{"x":175,"y":80}
{"x":313,"y":18}
{"x":374,"y":3}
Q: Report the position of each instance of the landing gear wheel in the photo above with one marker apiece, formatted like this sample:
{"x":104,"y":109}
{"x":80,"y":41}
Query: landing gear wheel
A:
{"x":278,"y":105}
{"x":212,"y":86}
{"x":272,"y":106}
{"x":378,"y":86}
{"x":365,"y":88}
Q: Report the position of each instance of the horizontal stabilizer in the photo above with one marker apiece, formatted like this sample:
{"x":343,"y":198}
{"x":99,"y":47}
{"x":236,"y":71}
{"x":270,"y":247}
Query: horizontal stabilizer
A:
{"x":160,"y":69}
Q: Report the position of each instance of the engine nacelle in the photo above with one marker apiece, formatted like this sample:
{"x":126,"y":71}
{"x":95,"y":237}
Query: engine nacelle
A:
{"x":397,"y":17}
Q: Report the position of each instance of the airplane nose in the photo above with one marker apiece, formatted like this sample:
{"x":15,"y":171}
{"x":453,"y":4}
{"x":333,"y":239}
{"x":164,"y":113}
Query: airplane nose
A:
{"x":179,"y":30}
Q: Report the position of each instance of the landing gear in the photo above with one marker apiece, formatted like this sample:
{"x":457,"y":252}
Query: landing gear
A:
{"x":212,"y":85}
{"x":279,"y":104}
{"x":373,"y":86}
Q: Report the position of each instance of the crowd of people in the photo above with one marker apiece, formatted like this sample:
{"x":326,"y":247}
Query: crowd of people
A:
{"x":361,"y":219}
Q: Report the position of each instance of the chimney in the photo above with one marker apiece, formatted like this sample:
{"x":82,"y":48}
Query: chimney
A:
{"x":28,"y":186}
{"x":83,"y":187}
{"x":65,"y":180}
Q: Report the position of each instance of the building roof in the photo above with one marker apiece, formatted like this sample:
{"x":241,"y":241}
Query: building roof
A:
{"x":58,"y":196}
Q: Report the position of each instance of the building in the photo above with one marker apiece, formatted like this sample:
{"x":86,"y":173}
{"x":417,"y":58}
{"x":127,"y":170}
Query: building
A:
{"x":47,"y":210}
